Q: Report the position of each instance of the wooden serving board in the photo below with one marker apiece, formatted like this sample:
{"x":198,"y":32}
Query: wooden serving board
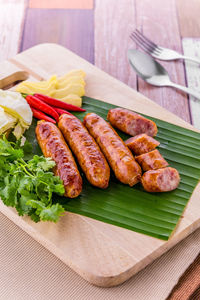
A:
{"x":103,"y":254}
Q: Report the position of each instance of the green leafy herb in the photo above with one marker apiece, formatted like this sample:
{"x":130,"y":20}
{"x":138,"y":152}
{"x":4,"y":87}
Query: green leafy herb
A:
{"x":29,"y":185}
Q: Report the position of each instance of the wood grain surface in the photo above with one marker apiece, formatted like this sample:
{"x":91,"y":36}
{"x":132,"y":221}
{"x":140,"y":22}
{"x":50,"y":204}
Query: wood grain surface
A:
{"x":112,"y":22}
{"x":188,"y":12}
{"x":70,"y":28}
{"x":191,"y":48}
{"x":165,"y":32}
{"x":12,"y":14}
{"x":112,"y":40}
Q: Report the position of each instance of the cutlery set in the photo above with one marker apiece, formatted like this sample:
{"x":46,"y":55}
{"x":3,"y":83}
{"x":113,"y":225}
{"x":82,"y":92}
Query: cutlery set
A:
{"x":149,"y":69}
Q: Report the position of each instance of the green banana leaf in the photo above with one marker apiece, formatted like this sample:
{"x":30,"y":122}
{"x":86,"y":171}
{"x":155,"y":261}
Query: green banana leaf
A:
{"x":153,"y":214}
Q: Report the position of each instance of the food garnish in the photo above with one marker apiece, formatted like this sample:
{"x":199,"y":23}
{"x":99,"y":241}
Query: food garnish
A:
{"x":55,"y":102}
{"x":29,"y":185}
{"x":72,"y":99}
{"x":68,"y":88}
{"x":61,"y":111}
{"x":74,"y":76}
{"x":41,"y":116}
{"x":6,"y":121}
{"x":45,"y":86}
{"x":15,"y":113}
{"x":42,"y":106}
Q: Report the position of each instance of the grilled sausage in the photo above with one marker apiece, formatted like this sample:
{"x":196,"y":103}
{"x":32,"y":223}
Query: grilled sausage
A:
{"x":130,"y":122}
{"x":161,"y":180}
{"x":53,"y":145}
{"x":151,"y":161}
{"x":86,"y":150}
{"x":141,"y":144}
{"x":120,"y":158}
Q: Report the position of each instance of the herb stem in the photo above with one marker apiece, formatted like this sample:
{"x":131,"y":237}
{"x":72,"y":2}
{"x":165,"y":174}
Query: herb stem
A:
{"x":26,"y":171}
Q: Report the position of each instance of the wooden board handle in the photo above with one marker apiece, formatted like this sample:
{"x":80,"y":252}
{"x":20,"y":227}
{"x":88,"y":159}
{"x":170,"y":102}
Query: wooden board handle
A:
{"x":13,"y":79}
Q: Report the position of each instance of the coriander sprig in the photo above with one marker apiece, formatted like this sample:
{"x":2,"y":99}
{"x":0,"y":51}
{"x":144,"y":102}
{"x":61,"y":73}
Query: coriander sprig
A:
{"x":29,"y":185}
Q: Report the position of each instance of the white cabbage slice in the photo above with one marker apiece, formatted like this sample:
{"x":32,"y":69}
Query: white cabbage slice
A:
{"x":18,"y":131}
{"x":6,"y":121}
{"x":14,"y":104}
{"x":14,"y":113}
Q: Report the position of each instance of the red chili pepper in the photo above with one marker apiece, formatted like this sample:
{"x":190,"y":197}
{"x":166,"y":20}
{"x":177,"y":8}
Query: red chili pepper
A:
{"x":61,"y":111}
{"x":41,"y":116}
{"x":40,"y":105}
{"x":58,"y":103}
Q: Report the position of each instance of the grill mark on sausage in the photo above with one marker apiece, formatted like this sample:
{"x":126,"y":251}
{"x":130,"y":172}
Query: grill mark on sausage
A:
{"x":53,"y":145}
{"x":141,"y":144}
{"x":88,"y":153}
{"x":120,"y":158}
{"x":151,"y":161}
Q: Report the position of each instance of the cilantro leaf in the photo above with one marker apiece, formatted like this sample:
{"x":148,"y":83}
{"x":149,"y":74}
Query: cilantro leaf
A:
{"x":22,"y":207}
{"x":34,"y":217}
{"x":38,"y":205}
{"x":9,"y":192}
{"x":52,"y":213}
{"x":40,"y":163}
{"x":29,"y":186}
{"x":27,"y":147}
{"x":8,"y":151}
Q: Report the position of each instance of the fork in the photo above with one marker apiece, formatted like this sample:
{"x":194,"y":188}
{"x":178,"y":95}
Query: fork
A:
{"x":157,"y":51}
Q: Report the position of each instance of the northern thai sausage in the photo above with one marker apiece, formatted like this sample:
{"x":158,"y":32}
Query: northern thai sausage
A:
{"x":161,"y":180}
{"x":151,"y":161}
{"x":53,"y":145}
{"x":130,"y":122}
{"x":120,"y":158}
{"x":86,"y":150}
{"x":141,"y":144}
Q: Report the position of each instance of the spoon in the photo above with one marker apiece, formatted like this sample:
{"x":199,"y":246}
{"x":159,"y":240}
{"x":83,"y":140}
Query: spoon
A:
{"x":153,"y":73}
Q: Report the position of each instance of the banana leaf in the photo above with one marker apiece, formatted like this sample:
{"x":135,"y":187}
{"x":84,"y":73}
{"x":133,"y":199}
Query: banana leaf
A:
{"x":153,"y":214}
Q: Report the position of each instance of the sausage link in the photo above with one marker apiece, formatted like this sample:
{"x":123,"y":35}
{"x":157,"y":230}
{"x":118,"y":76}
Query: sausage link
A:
{"x":130,"y":122}
{"x":120,"y":158}
{"x":161,"y":180}
{"x":151,"y":161}
{"x":53,"y":145}
{"x":141,"y":144}
{"x":86,"y":150}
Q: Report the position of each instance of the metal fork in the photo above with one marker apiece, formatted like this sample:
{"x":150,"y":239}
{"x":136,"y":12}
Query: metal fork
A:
{"x":157,"y":51}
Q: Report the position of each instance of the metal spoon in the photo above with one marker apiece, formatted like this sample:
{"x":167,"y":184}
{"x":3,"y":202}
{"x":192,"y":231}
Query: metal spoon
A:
{"x":153,"y":73}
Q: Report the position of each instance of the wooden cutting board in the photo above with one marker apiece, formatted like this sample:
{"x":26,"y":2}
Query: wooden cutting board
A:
{"x":103,"y":254}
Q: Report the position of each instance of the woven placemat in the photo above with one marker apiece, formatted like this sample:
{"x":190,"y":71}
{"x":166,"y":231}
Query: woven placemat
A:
{"x":29,"y":271}
{"x":188,"y":286}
